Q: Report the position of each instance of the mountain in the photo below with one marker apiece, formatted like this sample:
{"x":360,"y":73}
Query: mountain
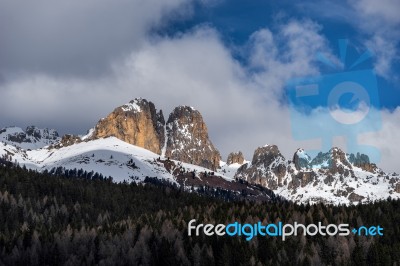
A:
{"x":134,"y":143}
{"x":124,"y":162}
{"x":184,"y":137}
{"x":331,"y":177}
{"x":30,"y":138}
{"x":187,"y":139}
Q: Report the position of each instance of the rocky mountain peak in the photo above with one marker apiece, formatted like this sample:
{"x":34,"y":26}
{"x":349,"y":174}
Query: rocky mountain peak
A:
{"x":136,"y":105}
{"x":301,"y":159}
{"x":268,"y":167}
{"x":188,"y":139}
{"x":332,"y":159}
{"x":342,"y":176}
{"x":235,"y":157}
{"x":337,"y":161}
{"x":30,"y":138}
{"x":266,"y":155}
{"x":184,"y":137}
{"x":136,"y":122}
{"x":362,"y":161}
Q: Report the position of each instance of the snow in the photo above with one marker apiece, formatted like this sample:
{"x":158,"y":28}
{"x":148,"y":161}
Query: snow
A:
{"x":229,"y":170}
{"x":323,"y":188}
{"x":325,"y":164}
{"x":164,"y":148}
{"x":88,"y":135}
{"x":368,"y":185}
{"x":109,"y":156}
{"x":131,"y":106}
{"x":303,"y":155}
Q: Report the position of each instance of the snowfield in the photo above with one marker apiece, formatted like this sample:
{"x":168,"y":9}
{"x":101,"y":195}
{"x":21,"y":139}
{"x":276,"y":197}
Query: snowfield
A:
{"x":110,"y":157}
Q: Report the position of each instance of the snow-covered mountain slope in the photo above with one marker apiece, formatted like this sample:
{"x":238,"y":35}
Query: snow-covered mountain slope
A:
{"x":323,"y":185}
{"x":109,"y":156}
{"x":229,"y":170}
{"x":30,"y":138}
{"x":332,"y":177}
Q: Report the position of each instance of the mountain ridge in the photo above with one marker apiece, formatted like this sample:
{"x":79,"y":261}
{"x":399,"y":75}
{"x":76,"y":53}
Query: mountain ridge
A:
{"x":135,"y":141}
{"x":30,"y":138}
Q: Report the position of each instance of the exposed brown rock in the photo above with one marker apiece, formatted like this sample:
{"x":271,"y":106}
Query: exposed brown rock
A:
{"x":137,"y":123}
{"x":268,"y":167}
{"x":362,"y":161}
{"x":235,"y":157}
{"x":306,"y":177}
{"x":397,"y":188}
{"x":355,"y":197}
{"x":188,"y":139}
{"x":370,"y":167}
{"x":68,"y":140}
{"x":140,"y":124}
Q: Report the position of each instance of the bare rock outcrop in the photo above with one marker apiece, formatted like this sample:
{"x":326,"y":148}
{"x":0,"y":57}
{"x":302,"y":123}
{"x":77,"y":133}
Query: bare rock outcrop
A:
{"x":397,"y":188}
{"x":235,"y":157}
{"x":67,"y":140}
{"x":268,"y":167}
{"x":137,"y":123}
{"x":188,"y":139}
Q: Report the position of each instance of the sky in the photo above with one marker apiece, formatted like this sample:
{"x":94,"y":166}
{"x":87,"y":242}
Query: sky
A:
{"x":65,"y":64}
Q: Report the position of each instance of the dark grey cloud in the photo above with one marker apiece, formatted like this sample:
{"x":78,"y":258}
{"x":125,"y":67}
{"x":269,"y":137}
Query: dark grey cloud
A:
{"x":75,"y":37}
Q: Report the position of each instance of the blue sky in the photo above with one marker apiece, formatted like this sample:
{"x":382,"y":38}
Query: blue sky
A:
{"x":65,"y":64}
{"x":236,"y":20}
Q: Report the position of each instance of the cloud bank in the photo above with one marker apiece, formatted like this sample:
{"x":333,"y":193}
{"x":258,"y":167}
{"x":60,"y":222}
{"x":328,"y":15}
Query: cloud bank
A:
{"x":241,"y":102}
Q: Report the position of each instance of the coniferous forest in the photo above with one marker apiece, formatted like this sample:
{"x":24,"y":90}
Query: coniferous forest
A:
{"x":47,"y":219}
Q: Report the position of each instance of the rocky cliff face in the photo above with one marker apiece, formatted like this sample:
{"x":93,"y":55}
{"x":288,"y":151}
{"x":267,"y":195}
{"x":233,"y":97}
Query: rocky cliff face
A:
{"x":362,"y":161}
{"x":137,"y":123}
{"x":187,"y":139}
{"x":67,"y":140}
{"x":184,"y":137}
{"x":235,"y":157}
{"x":267,"y":168}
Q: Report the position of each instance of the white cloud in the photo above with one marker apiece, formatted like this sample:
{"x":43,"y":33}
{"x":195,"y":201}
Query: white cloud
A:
{"x":386,"y":55}
{"x":193,"y":68}
{"x":377,"y":26}
{"x":291,"y":52}
{"x":383,"y":10}
{"x":386,"y":140}
{"x":379,"y":21}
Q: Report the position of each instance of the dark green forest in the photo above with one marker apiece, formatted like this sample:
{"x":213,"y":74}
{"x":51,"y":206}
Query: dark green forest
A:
{"x":47,"y":219}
